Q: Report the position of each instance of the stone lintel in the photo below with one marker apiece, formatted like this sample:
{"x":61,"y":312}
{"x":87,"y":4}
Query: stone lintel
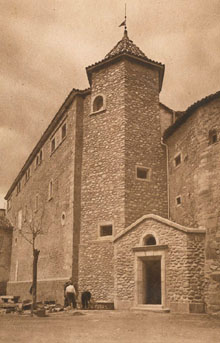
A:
{"x":150,"y":248}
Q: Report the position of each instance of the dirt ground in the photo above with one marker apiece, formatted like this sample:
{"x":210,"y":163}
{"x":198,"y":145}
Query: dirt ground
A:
{"x":109,"y":326}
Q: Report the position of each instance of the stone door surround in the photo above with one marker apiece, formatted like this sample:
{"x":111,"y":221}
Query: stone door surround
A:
{"x":141,"y":254}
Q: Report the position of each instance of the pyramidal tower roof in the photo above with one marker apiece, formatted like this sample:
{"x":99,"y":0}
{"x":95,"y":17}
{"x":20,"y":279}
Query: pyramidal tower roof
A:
{"x":127,"y":49}
{"x":125,"y":45}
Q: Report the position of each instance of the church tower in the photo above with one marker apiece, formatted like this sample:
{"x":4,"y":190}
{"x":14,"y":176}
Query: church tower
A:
{"x":123,"y":161}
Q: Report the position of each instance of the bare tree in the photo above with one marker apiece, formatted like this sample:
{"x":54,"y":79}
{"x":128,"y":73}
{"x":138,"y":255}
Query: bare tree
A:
{"x":33,"y":228}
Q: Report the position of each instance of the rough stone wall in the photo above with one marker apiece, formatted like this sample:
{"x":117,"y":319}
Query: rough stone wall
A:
{"x":166,"y":119}
{"x":102,"y":193}
{"x":5,"y":257}
{"x":143,"y":144}
{"x":184,"y":263}
{"x":56,"y":242}
{"x":197,"y":180}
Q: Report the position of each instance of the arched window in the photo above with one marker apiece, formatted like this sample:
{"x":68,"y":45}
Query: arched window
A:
{"x":98,"y":103}
{"x":150,"y":240}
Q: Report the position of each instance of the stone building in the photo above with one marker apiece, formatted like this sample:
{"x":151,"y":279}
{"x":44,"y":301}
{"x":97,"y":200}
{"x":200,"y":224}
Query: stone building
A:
{"x":125,"y":192}
{"x":5,"y":250}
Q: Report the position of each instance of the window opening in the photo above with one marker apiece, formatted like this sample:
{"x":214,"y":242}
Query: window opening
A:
{"x":53,"y":144}
{"x":105,"y":230}
{"x":143,"y":173}
{"x":150,"y":240}
{"x":98,"y":103}
{"x":177,"y":160}
{"x":41,"y":156}
{"x":63,"y":131}
{"x":178,"y":200}
{"x":50,"y":190}
{"x":213,"y":136}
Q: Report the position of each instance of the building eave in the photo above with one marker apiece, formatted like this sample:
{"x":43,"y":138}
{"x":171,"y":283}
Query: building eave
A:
{"x":57,"y":118}
{"x":116,"y":58}
{"x":189,"y":112}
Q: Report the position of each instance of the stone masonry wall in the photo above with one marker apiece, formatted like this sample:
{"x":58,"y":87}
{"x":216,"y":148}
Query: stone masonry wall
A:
{"x":56,"y":242}
{"x":102,"y":193}
{"x":197,"y":180}
{"x":5,"y":257}
{"x":143,"y":144}
{"x":166,"y":119}
{"x":182,"y":275}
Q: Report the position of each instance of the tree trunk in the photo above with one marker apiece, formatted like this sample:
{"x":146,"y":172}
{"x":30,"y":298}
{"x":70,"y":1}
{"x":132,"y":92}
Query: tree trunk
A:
{"x":34,"y":281}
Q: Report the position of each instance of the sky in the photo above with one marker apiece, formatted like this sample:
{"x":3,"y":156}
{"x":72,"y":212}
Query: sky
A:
{"x":45,"y":46}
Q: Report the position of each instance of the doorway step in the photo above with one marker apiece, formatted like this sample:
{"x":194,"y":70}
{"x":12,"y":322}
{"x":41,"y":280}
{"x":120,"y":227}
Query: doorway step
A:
{"x":151,"y":308}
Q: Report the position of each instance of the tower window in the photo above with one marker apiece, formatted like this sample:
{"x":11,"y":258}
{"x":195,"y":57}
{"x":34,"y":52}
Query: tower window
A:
{"x":98,"y":103}
{"x":105,"y":230}
{"x":213,"y":136}
{"x":177,"y":160}
{"x":143,"y":173}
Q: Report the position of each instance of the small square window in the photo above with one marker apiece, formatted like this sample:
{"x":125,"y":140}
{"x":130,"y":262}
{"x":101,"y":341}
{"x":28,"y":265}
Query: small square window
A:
{"x":63,"y":131}
{"x":178,"y":200}
{"x":53,"y":144}
{"x":143,"y":173}
{"x":105,"y":230}
{"x":177,"y":160}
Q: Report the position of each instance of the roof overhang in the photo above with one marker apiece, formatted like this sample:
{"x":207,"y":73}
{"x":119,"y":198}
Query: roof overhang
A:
{"x":99,"y":65}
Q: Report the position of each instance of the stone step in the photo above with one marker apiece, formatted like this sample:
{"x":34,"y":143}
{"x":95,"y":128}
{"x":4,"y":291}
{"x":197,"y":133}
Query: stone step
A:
{"x":151,"y":308}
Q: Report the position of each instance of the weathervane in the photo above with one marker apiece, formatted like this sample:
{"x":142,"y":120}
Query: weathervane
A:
{"x":124,"y":22}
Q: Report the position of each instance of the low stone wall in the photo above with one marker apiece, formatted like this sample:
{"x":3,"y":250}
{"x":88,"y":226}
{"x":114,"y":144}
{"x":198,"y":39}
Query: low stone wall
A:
{"x":46,"y":290}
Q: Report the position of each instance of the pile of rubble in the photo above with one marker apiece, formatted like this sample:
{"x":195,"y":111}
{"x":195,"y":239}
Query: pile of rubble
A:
{"x":9,"y":304}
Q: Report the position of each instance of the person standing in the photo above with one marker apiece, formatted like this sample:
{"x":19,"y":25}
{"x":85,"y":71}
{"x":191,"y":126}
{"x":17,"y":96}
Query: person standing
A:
{"x":71,"y":295}
{"x":85,"y":298}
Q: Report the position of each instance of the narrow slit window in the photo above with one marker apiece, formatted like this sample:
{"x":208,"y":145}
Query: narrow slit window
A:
{"x":53,"y":144}
{"x":41,"y":156}
{"x":177,"y":160}
{"x":50,"y":195}
{"x":63,"y":131}
{"x":178,"y":200}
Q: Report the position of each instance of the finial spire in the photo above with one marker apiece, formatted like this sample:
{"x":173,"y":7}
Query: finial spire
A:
{"x":125,"y":19}
{"x":124,"y":23}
